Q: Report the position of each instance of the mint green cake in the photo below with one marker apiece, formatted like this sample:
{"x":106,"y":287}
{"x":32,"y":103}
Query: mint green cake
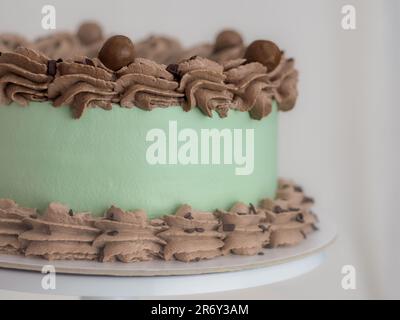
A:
{"x":100,"y":160}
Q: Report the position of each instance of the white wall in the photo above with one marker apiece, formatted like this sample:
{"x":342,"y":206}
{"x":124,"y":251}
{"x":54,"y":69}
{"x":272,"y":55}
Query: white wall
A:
{"x":340,"y":141}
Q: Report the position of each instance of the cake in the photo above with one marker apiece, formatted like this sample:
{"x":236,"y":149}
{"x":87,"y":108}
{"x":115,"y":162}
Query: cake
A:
{"x":115,"y":151}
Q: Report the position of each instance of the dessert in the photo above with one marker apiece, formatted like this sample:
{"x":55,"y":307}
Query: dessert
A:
{"x":130,"y":132}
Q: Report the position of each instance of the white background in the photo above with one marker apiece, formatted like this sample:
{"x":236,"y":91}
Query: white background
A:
{"x":340,"y":142}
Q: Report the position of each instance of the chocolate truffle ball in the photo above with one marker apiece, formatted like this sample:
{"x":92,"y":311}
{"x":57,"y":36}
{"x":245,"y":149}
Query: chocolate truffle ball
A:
{"x":264,"y":51}
{"x":227,"y":39}
{"x":117,"y":52}
{"x":89,"y":32}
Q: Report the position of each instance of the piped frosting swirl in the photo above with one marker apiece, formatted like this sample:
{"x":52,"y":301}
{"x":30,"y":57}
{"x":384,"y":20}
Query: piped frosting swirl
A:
{"x":24,"y":76}
{"x":12,"y":225}
{"x":128,"y":236}
{"x":147,"y":84}
{"x":59,"y":234}
{"x":192,"y":235}
{"x":245,"y":228}
{"x":82,"y":84}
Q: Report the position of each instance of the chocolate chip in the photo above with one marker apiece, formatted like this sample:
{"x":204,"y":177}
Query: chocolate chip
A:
{"x":193,"y":57}
{"x":228,"y":227}
{"x":260,"y":253}
{"x":200,"y":230}
{"x":314,"y":227}
{"x":263,"y":227}
{"x":298,"y":189}
{"x":191,"y":230}
{"x":300,"y":218}
{"x":112,"y":233}
{"x":307,"y":200}
{"x":59,"y":60}
{"x":89,"y":62}
{"x":294,"y":209}
{"x":173,"y":68}
{"x":253,"y":209}
{"x":188,"y":216}
{"x":51,"y":67}
{"x":71,"y":212}
{"x":303,"y":234}
{"x":278,"y":209}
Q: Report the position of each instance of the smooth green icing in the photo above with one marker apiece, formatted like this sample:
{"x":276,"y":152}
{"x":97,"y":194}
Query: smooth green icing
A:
{"x":99,"y":160}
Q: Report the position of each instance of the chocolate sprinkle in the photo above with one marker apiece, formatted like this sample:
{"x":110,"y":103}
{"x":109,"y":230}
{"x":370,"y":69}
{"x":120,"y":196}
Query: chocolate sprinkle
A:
{"x":89,"y":62}
{"x":298,"y":189}
{"x":51,"y":67}
{"x":253,"y":209}
{"x":112,"y":233}
{"x":260,"y":253}
{"x":191,"y":230}
{"x":314,"y":227}
{"x":188,"y":216}
{"x":278,"y":209}
{"x":307,"y":200}
{"x":228,"y":227}
{"x":71,"y":212}
{"x":300,"y":218}
{"x":200,"y":230}
{"x":173,"y":69}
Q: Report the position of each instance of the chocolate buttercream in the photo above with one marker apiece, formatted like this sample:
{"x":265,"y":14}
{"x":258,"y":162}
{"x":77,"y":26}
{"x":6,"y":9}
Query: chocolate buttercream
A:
{"x":192,"y":235}
{"x":204,"y":50}
{"x":161,"y":49}
{"x":82,"y":84}
{"x":245,"y":228}
{"x":202,"y":80}
{"x":24,"y":76}
{"x":12,"y":225}
{"x":59,"y":234}
{"x":289,"y":214}
{"x":128,"y":236}
{"x":60,"y":45}
{"x":147,"y":84}
{"x":9,"y":42}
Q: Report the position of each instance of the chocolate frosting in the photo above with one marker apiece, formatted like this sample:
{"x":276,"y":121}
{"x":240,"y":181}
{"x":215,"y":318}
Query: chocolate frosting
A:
{"x":128,"y":236}
{"x":202,"y":50}
{"x":202,"y":80}
{"x":82,"y":84}
{"x":245,"y":228}
{"x":23,"y":77}
{"x":161,"y":49}
{"x":192,"y":235}
{"x":61,"y":235}
{"x":9,"y":42}
{"x":12,"y":225}
{"x":147,"y":84}
{"x":227,"y":54}
{"x":290,"y":215}
{"x":60,"y":45}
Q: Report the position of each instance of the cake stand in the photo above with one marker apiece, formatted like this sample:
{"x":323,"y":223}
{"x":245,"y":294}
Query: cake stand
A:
{"x":158,"y":278}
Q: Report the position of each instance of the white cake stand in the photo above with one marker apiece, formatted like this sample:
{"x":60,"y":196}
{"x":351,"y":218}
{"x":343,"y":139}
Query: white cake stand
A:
{"x":155,"y":278}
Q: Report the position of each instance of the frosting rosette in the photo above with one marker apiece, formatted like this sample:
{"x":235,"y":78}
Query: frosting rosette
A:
{"x":245,"y":229}
{"x":12,"y":225}
{"x":202,"y":50}
{"x":253,"y":91}
{"x":192,"y":235}
{"x":60,"y":45}
{"x":59,"y":234}
{"x":290,"y":216}
{"x":129,"y":236}
{"x":202,"y":80}
{"x":81,"y":84}
{"x":10,"y":42}
{"x":284,"y":79}
{"x":24,"y":76}
{"x":160,"y":49}
{"x":147,"y":84}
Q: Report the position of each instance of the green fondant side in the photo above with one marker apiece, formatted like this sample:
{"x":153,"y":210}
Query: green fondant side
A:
{"x":100,"y":160}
